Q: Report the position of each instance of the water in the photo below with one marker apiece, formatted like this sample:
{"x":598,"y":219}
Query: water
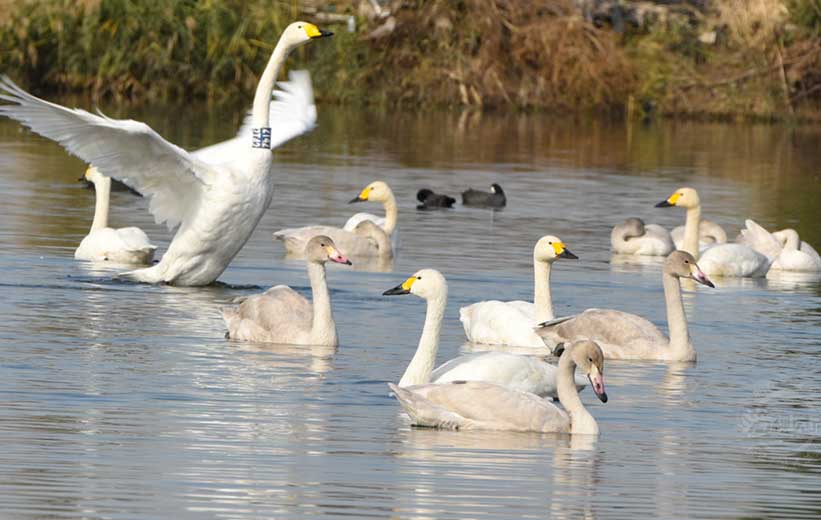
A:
{"x":124,"y":401}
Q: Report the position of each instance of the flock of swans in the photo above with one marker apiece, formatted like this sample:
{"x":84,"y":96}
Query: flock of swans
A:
{"x":215,"y":197}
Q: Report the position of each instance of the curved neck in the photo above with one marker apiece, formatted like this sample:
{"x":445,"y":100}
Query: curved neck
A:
{"x":691,"y":226}
{"x":541,"y":291}
{"x":323,"y":327}
{"x":791,"y":240}
{"x":676,"y":318}
{"x":102,"y":191}
{"x":383,"y":243}
{"x":619,"y":236}
{"x":391,"y":212}
{"x":421,"y":366}
{"x":265,"y":87}
{"x":580,"y":419}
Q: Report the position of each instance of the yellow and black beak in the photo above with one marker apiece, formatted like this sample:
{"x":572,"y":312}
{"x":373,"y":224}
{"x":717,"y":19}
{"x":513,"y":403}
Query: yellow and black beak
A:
{"x":362,"y":197}
{"x":402,"y":288}
{"x":315,"y":32}
{"x":563,"y":252}
{"x":670,"y":201}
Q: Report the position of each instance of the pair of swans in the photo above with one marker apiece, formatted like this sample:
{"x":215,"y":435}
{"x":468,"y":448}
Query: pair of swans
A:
{"x":216,"y":204}
{"x":627,"y":336}
{"x":358,"y":242}
{"x":511,"y":323}
{"x":518,"y":372}
{"x":729,"y":259}
{"x":281,"y":315}
{"x":785,"y":246}
{"x":481,"y":405}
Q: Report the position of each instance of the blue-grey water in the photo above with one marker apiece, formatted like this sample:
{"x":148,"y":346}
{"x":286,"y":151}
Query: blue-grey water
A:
{"x":124,"y":401}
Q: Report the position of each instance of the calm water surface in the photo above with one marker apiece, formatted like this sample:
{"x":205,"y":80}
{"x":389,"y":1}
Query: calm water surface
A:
{"x":124,"y":401}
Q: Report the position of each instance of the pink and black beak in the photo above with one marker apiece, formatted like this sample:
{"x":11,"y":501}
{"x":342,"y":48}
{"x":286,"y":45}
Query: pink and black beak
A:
{"x":335,"y":256}
{"x":597,"y":383}
{"x":699,"y":276}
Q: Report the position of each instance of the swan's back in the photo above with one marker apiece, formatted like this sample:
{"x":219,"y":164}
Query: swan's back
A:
{"x":279,"y":314}
{"x":495,"y":322}
{"x":513,"y":371}
{"x":734,"y":260}
{"x":476,"y":405}
{"x":620,"y":335}
{"x":295,"y":239}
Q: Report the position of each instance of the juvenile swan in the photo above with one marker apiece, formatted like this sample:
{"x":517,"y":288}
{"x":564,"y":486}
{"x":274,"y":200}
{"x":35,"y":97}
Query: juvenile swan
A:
{"x":281,"y":315}
{"x":216,"y":206}
{"x":502,"y":368}
{"x":736,"y":260}
{"x":627,"y":336}
{"x":124,"y":245}
{"x":511,"y":323}
{"x":634,"y":237}
{"x":294,"y":239}
{"x":486,"y":406}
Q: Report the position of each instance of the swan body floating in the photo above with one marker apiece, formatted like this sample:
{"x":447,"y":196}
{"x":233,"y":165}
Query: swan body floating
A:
{"x":478,"y":405}
{"x":216,"y":206}
{"x":511,"y":323}
{"x":732,"y":260}
{"x":634,"y":237}
{"x":430,"y":200}
{"x":354,"y":245}
{"x":790,"y":253}
{"x":369,"y":229}
{"x":627,"y":336}
{"x":104,"y":244}
{"x":281,"y":315}
{"x":503,"y":368}
{"x":494,"y":199}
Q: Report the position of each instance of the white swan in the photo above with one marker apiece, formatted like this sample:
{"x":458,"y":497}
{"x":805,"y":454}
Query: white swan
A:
{"x":217,"y":207}
{"x":790,"y":253}
{"x":709,"y":234}
{"x":353,"y":244}
{"x":511,"y":370}
{"x":634,"y":237}
{"x":281,"y":315}
{"x":511,"y":323}
{"x":736,"y":260}
{"x":123,"y":245}
{"x":476,"y":405}
{"x":628,"y":336}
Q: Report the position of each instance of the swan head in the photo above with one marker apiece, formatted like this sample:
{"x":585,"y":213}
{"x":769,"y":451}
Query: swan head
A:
{"x":588,"y":357}
{"x":300,"y":33}
{"x":549,"y":248}
{"x":321,"y":249}
{"x":683,"y":198}
{"x":632,"y":227}
{"x":681,"y":264}
{"x":377,"y":191}
{"x":427,"y":284}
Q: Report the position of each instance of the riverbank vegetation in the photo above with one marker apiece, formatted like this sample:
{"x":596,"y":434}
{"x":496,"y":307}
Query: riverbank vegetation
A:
{"x":735,"y":59}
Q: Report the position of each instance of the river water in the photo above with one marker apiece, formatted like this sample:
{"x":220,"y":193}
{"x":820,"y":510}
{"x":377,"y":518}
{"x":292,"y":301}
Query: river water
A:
{"x":125,"y":401}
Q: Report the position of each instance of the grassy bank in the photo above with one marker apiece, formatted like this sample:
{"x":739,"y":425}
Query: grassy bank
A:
{"x":757,"y":59}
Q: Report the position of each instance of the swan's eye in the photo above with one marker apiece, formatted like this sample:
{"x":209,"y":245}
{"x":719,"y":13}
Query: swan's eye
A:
{"x":322,"y":245}
{"x":418,"y":277}
{"x":686,"y":261}
{"x":550,"y":243}
{"x":299,"y":27}
{"x":590,"y":359}
{"x":372,"y":187}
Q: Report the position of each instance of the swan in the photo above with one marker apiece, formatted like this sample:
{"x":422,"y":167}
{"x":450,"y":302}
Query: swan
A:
{"x":495,"y":199}
{"x":627,"y":336}
{"x":124,"y":245}
{"x":431,"y":200}
{"x":511,"y":370}
{"x":354,"y":245}
{"x":217,"y":206}
{"x":511,"y":323}
{"x":790,"y":253}
{"x":369,"y":229}
{"x":737,"y":260}
{"x":281,"y":315}
{"x":479,"y":405}
{"x":634,"y":237}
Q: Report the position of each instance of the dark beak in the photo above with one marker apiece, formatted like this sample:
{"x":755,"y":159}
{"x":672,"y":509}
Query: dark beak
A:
{"x":356,"y":199}
{"x":602,"y":397}
{"x":664,"y":204}
{"x":567,"y":254}
{"x":325,"y":34}
{"x":395,"y":291}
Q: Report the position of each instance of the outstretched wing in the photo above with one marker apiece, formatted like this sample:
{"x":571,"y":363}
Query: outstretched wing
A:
{"x":126,"y":150}
{"x":760,"y":239}
{"x":292,"y":114}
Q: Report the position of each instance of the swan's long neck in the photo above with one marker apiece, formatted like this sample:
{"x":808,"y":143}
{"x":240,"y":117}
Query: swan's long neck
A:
{"x":680,"y":346}
{"x":421,"y":366}
{"x":323,"y":327}
{"x":102,"y":191}
{"x":383,"y":242}
{"x":580,"y":419}
{"x":265,"y":88}
{"x":541,"y":291}
{"x":391,"y":212}
{"x":691,"y":232}
{"x":791,"y":240}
